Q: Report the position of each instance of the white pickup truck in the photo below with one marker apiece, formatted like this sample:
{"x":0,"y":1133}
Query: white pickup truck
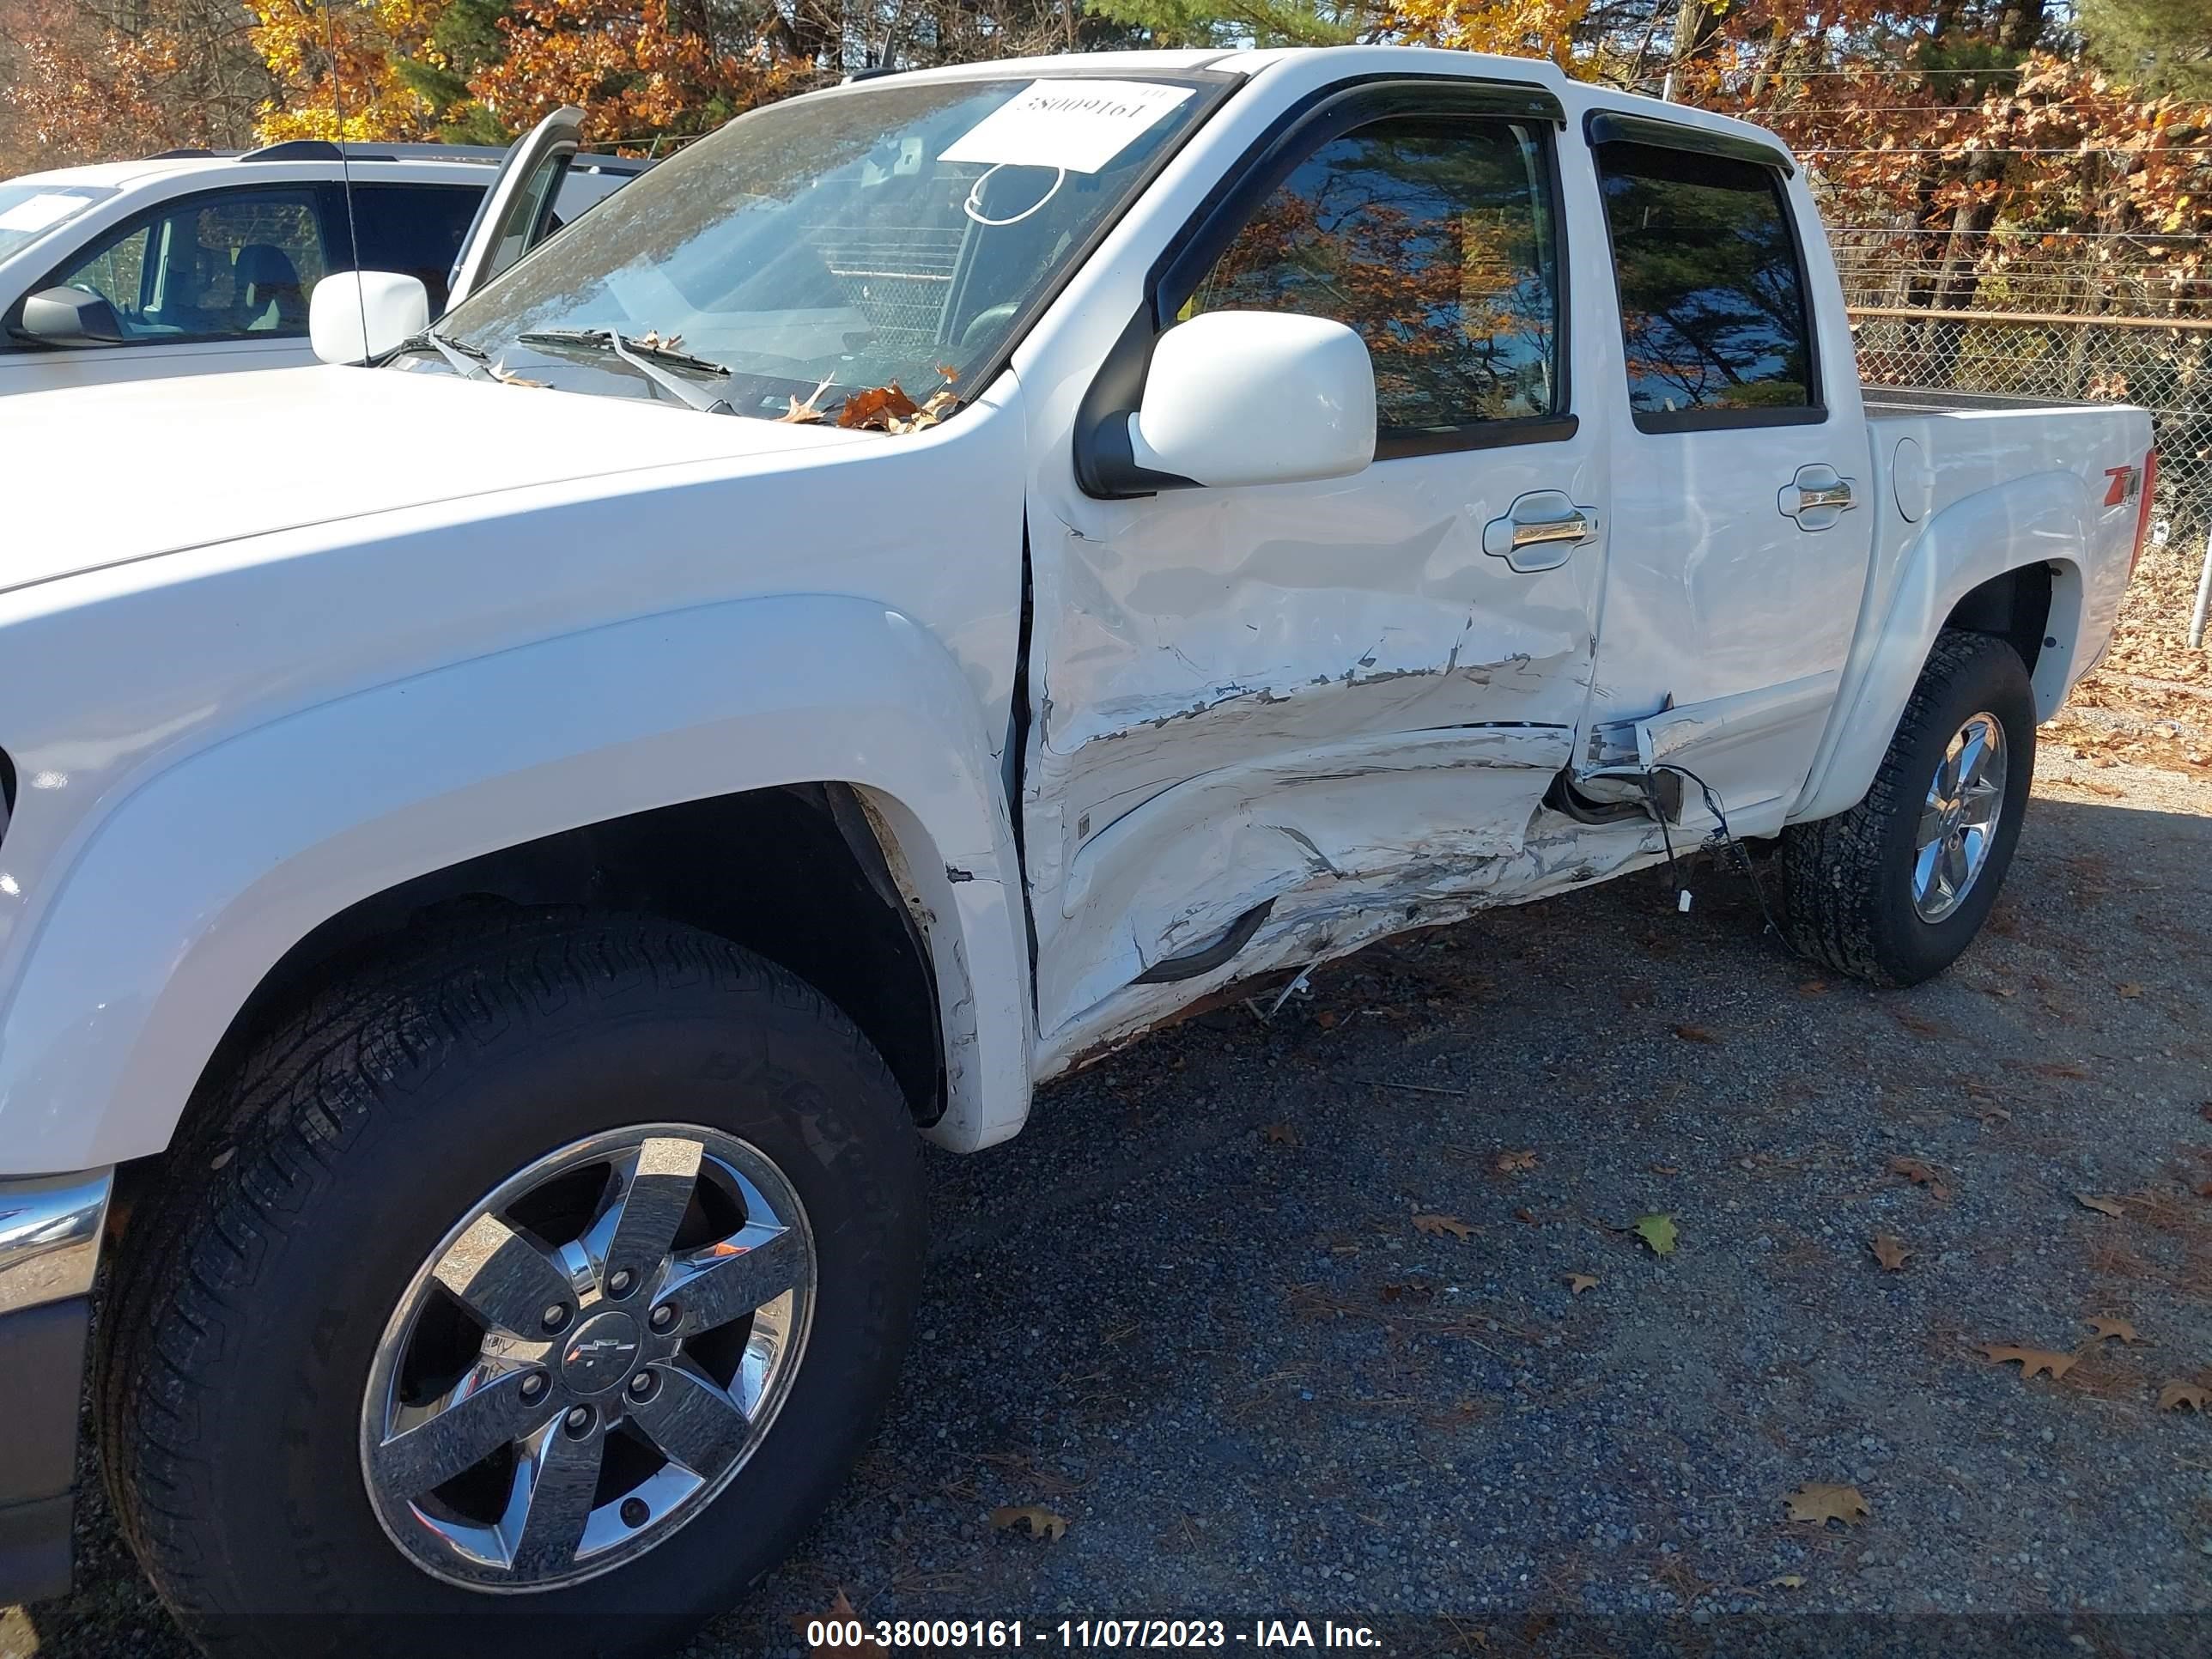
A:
{"x":1061,"y":538}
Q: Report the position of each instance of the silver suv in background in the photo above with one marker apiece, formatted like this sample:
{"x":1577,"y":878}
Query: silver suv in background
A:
{"x":192,"y":262}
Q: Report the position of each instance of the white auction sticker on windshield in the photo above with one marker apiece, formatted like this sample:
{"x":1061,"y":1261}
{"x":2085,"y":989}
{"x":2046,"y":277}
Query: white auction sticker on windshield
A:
{"x":37,"y":212}
{"x":1079,"y":125}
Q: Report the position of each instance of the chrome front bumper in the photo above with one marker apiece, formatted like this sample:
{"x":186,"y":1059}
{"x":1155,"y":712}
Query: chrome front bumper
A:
{"x":50,"y":1234}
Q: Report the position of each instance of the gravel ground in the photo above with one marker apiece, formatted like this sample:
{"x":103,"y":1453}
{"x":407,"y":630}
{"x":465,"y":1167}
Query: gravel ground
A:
{"x":1193,"y":1310}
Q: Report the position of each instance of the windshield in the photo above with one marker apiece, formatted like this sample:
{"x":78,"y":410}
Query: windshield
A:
{"x":29,"y":211}
{"x":895,"y":232}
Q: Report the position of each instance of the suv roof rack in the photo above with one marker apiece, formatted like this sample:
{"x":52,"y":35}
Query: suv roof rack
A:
{"x":325,"y":149}
{"x":184,"y":151}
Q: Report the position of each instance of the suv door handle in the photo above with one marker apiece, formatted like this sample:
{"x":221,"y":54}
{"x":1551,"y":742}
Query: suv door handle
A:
{"x":1540,"y":531}
{"x":1816,"y":497}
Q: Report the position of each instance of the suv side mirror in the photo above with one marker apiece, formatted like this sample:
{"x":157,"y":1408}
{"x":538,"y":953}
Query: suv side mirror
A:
{"x":360,"y":314}
{"x":69,"y":317}
{"x":1242,"y":398}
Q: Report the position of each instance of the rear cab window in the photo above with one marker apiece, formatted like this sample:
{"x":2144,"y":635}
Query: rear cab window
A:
{"x":1711,"y":284}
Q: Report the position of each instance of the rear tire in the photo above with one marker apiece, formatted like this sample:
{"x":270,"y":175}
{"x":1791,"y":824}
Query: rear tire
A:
{"x":1861,"y":891}
{"x":247,"y":1338}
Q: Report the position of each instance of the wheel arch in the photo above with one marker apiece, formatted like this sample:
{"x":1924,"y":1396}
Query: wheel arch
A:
{"x":307,"y":832}
{"x":2007,"y":562}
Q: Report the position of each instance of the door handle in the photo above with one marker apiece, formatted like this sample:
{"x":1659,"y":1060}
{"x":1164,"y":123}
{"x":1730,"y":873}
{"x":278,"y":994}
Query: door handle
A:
{"x":1817,"y":497}
{"x":1540,"y":531}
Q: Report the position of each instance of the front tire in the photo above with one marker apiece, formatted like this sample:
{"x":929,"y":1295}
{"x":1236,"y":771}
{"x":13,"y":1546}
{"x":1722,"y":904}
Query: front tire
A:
{"x":1894,"y":891}
{"x":622,"y":1222}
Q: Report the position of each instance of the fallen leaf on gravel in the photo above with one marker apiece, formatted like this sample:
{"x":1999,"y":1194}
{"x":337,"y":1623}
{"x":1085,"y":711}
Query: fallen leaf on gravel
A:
{"x":2065,"y":1068}
{"x":1812,"y":987}
{"x":1890,"y":1250}
{"x":1411,"y":1291}
{"x":1821,"y":1503}
{"x":1921,"y":1026}
{"x":1695,"y":1034}
{"x":2132,"y":990}
{"x":1920,"y":1175}
{"x":841,"y":1612}
{"x":2175,"y":1395}
{"x":2032,"y":1360}
{"x":1666,"y":1169}
{"x":1042,"y":1522}
{"x":1279,"y":1135}
{"x":2114,"y":1330}
{"x":2008,"y":992}
{"x":1577,"y":1283}
{"x":1788,"y":1580}
{"x":1526,"y":1215}
{"x":1436,"y":1226}
{"x":1510,"y":1162}
{"x":1993,"y":1115}
{"x":1658,"y":1231}
{"x":2101,"y":1205}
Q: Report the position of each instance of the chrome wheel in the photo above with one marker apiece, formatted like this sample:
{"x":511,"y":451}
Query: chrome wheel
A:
{"x":588,"y":1358}
{"x":1959,"y":819}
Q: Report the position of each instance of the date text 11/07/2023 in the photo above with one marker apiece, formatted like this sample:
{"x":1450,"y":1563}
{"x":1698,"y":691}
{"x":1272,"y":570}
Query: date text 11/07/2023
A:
{"x":1084,"y":1634}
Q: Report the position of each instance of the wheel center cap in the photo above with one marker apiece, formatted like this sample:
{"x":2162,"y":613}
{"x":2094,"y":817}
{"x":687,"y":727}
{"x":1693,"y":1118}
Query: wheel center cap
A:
{"x":600,"y":1354}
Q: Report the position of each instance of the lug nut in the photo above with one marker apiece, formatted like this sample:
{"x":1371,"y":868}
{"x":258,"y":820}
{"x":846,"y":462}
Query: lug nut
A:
{"x":642,"y":1386}
{"x":619,"y":1281}
{"x":662,"y":1316}
{"x":578,"y":1420}
{"x":556,"y":1315}
{"x":533,"y":1385}
{"x":635,"y":1513}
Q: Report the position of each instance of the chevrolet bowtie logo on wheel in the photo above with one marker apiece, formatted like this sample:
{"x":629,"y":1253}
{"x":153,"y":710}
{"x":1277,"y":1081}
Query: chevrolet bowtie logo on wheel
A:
{"x":595,"y":1347}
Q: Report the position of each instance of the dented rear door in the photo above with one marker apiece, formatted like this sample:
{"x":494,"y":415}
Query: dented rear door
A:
{"x":1344,"y":701}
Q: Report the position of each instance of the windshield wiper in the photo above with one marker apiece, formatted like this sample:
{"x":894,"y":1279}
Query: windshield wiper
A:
{"x":469,"y":362}
{"x":645,"y":357}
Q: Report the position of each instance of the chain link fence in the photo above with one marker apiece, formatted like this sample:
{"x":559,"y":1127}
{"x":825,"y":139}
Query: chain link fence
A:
{"x":2164,"y":365}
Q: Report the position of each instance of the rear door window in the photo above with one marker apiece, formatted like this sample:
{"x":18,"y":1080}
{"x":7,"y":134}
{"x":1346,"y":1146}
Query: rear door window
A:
{"x":1712,"y":289}
{"x":413,"y":229}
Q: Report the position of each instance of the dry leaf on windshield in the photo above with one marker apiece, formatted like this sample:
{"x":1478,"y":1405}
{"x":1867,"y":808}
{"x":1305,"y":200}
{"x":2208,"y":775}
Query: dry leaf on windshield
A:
{"x":1041,"y":1521}
{"x":2114,"y":1330}
{"x":949,"y":374}
{"x":1436,"y":1226}
{"x":1510,"y":1162}
{"x":1577,"y":1283}
{"x":1279,"y":1135}
{"x":2032,"y":1361}
{"x":834,"y":1623}
{"x":2178,"y":1396}
{"x":875,"y":408}
{"x":1821,"y":1503}
{"x":650,"y":341}
{"x":2101,"y":1205}
{"x":927,"y":416}
{"x":1891,"y":1251}
{"x":800,"y":414}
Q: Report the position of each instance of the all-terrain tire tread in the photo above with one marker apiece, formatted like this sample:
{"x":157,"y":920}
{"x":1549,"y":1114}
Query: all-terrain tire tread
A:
{"x":259,"y":1142}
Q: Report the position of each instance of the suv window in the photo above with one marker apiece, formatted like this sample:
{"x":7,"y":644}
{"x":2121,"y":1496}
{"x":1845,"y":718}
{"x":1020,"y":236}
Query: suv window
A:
{"x":237,"y":266}
{"x":1712,"y":293}
{"x":413,"y":229}
{"x":1431,"y":237}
